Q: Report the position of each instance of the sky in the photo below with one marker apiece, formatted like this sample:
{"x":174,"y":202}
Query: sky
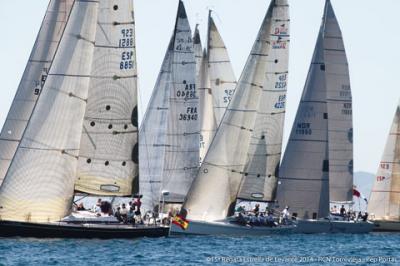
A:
{"x":369,"y":30}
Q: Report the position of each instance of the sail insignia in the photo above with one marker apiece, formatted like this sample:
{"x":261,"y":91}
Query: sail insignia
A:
{"x":321,"y":131}
{"x":213,"y":193}
{"x":110,"y":135}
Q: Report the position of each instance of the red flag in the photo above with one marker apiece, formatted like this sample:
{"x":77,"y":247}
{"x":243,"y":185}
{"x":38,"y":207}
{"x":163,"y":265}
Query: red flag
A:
{"x":356,"y":193}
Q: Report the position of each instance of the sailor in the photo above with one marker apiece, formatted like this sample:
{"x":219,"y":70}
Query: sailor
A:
{"x":365,"y":217}
{"x":117,"y":214}
{"x":334,"y":210}
{"x":270,"y":220}
{"x":262,"y":219}
{"x":137,"y":203}
{"x":342,"y":211}
{"x":124,"y":213}
{"x":97,"y":206}
{"x":240,"y":209}
{"x":80,"y":207}
{"x":256,"y":210}
{"x":131,"y":215}
{"x":285,"y":215}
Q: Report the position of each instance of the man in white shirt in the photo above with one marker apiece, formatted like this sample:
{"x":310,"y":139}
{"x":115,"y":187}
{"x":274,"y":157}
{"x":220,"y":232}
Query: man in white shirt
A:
{"x":286,"y":215}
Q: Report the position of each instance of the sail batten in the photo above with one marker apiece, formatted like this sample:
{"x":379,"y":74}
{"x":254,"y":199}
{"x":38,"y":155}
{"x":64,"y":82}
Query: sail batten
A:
{"x":108,"y":163}
{"x":259,"y":183}
{"x":213,"y":193}
{"x":153,"y":137}
{"x":169,"y":142}
{"x":317,"y":164}
{"x":39,"y":183}
{"x":33,"y":80}
{"x":183,"y":128}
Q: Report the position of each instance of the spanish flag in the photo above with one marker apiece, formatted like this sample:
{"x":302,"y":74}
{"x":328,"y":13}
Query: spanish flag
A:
{"x":181,"y":222}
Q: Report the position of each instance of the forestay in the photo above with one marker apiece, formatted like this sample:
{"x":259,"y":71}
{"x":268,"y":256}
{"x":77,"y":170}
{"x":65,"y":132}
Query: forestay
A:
{"x":384,"y":203}
{"x":108,"y":158}
{"x":313,"y":166}
{"x":264,"y":153}
{"x":33,"y":80}
{"x":213,"y":193}
{"x":182,"y":143}
{"x":39,"y":184}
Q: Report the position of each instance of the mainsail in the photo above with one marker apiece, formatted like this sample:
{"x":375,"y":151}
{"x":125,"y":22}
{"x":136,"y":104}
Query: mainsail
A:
{"x":384,"y":203}
{"x":173,"y":159}
{"x":33,"y":80}
{"x":213,"y":193}
{"x":316,"y":165}
{"x":39,"y":184}
{"x":108,"y":157}
{"x":264,"y":153}
{"x":182,"y":151}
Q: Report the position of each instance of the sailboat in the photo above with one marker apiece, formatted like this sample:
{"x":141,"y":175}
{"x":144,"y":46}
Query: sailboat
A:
{"x":318,"y":163}
{"x":169,"y":146}
{"x":384,"y":202}
{"x":210,"y":203}
{"x":81,"y":136}
{"x":216,"y":81}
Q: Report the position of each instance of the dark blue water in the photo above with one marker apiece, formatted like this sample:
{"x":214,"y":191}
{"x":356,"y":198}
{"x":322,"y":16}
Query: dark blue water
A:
{"x":369,"y":249}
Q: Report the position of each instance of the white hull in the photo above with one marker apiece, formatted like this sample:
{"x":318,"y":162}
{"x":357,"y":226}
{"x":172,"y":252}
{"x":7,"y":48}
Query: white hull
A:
{"x":89,"y":217}
{"x":226,"y":228}
{"x":386,"y":226}
{"x":330,"y":226}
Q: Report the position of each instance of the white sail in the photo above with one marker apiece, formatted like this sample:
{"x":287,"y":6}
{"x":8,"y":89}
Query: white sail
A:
{"x":32,"y":80}
{"x":264,"y":153}
{"x":39,"y":184}
{"x":340,"y":118}
{"x":222,"y":78}
{"x":198,"y":53}
{"x":206,"y":112}
{"x":216,"y":88}
{"x":384,"y":203}
{"x":182,"y":150}
{"x":108,"y":157}
{"x":213,"y":193}
{"x":208,"y":124}
{"x":317,"y":136}
{"x":153,"y":134}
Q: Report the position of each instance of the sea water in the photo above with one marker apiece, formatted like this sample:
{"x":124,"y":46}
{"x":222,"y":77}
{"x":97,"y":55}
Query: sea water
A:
{"x":319,"y":249}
